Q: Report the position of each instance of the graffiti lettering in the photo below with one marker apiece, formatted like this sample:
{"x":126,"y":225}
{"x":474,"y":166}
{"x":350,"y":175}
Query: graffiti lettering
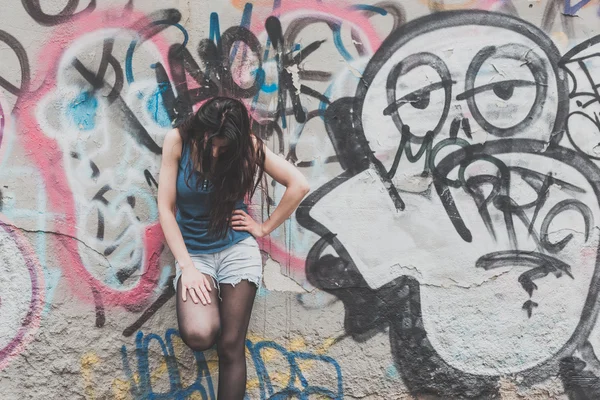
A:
{"x":34,"y":9}
{"x":296,"y":385}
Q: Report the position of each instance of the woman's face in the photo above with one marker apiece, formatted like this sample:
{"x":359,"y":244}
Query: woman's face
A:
{"x":219,"y":146}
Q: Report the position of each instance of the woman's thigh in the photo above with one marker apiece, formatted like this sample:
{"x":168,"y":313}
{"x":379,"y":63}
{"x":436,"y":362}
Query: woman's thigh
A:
{"x":199,"y":324}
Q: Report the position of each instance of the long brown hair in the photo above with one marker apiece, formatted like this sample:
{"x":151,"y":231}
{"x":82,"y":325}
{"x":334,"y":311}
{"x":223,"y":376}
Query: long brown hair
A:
{"x":237,"y":172}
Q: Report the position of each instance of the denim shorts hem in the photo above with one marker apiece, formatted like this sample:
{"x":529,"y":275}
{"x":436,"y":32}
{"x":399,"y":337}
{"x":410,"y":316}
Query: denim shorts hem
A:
{"x":257,"y":280}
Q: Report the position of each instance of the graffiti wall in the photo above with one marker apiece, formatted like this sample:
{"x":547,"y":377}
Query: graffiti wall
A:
{"x":449,"y":247}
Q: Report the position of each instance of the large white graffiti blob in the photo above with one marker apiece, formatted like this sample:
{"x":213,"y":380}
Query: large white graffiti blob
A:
{"x":469,"y":194}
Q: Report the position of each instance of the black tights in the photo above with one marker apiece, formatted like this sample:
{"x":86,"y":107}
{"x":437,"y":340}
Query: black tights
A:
{"x":224,"y":322}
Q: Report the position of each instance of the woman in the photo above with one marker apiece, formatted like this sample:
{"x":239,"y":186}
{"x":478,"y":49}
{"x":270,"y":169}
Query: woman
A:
{"x":210,"y":164}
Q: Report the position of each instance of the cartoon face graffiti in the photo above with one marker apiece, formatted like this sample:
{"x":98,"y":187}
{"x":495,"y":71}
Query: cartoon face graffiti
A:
{"x":465,"y":194}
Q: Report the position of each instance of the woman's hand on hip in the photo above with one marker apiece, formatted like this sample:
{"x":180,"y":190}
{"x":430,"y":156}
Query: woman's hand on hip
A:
{"x":197,"y":284}
{"x":242,"y":221}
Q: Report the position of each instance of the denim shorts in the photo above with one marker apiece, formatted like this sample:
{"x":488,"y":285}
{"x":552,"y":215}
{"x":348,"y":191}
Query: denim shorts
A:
{"x":240,"y":261}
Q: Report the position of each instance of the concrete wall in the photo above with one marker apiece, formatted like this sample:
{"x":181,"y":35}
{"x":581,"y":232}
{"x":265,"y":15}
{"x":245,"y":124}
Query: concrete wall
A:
{"x":448,"y":248}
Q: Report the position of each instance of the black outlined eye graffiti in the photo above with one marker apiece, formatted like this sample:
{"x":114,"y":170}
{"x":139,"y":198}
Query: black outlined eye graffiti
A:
{"x":513,"y":94}
{"x":504,"y":90}
{"x":426,"y":102}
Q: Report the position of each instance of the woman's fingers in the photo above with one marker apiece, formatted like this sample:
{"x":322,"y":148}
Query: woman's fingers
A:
{"x":207,"y":284}
{"x":240,"y":218}
{"x":203,"y":294}
{"x":193,"y":295}
{"x":241,"y":214}
{"x":239,"y":221}
{"x":199,"y":293}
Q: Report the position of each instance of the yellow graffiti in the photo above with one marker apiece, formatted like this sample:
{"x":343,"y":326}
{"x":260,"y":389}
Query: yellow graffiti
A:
{"x":121,"y":388}
{"x":297,"y":344}
{"x":88,"y":360}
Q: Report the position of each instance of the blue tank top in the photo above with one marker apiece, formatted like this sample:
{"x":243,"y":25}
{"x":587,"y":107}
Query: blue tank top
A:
{"x":193,"y":207}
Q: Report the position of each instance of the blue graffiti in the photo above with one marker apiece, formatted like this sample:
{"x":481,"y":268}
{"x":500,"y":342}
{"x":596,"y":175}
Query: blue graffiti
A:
{"x":82,"y":111}
{"x":214,"y":32}
{"x":133,"y":44}
{"x":143,"y":390}
{"x":261,"y":77}
{"x":295,"y":374}
{"x":244,"y":23}
{"x":246,"y":16}
{"x":339,"y":44}
{"x":51,"y":278}
{"x":272,"y":87}
{"x":129,"y":62}
{"x":368,"y":7}
{"x":571,"y":9}
{"x":156,"y":106}
{"x":297,"y":386}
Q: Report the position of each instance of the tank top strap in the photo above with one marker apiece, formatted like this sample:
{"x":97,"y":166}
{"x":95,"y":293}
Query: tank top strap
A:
{"x":185,"y":163}
{"x":184,"y":154}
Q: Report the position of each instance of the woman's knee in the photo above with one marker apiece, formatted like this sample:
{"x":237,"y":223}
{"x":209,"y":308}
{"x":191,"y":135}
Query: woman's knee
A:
{"x":199,"y":338}
{"x":231,"y":347}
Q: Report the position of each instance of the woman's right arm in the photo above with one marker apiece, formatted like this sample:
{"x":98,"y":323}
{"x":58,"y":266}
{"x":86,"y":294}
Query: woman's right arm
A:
{"x":167,"y":192}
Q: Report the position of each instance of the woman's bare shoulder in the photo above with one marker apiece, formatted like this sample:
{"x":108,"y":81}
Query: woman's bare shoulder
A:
{"x":173,"y":143}
{"x":173,"y":136}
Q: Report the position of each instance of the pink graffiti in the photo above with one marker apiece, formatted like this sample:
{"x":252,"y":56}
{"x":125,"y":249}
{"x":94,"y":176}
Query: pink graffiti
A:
{"x":329,"y":12}
{"x":31,"y":321}
{"x":2,"y":124}
{"x":5,"y":127}
{"x":47,"y":154}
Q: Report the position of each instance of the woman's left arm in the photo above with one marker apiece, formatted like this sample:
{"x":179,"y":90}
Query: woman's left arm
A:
{"x":296,"y":186}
